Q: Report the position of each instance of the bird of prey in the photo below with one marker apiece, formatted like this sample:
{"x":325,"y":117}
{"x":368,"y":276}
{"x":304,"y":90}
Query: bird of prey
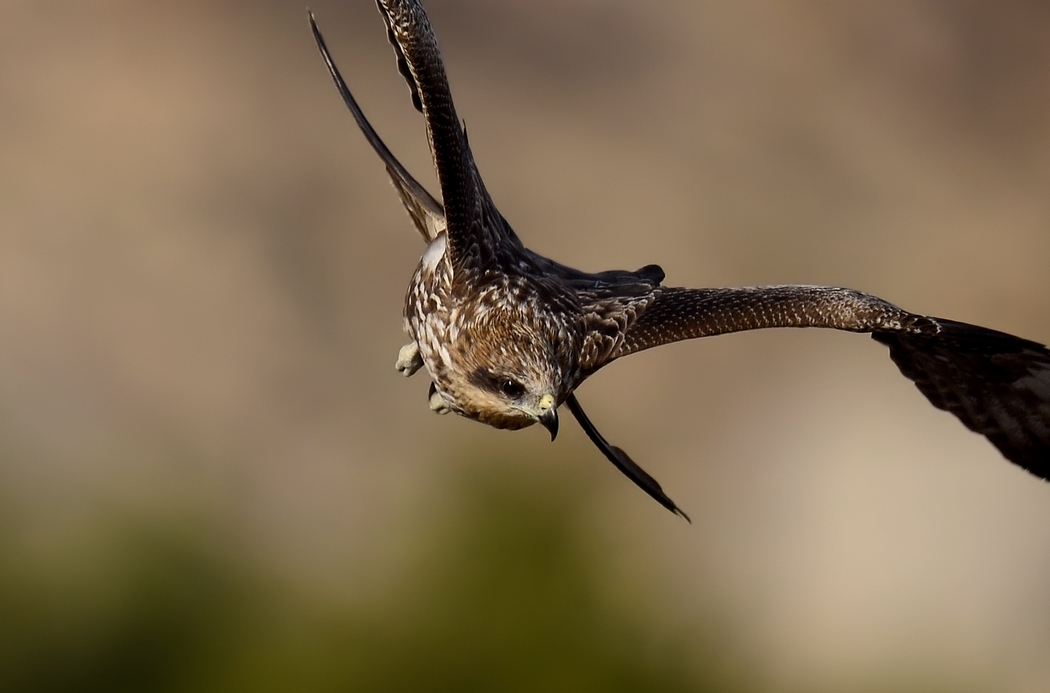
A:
{"x":507,"y":335}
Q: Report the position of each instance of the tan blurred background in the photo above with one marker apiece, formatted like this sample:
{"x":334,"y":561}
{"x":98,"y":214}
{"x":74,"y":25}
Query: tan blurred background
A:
{"x":202,"y":268}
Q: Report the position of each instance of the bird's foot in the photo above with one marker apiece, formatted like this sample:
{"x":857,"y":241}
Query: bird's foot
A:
{"x":438,"y":405}
{"x":408,"y":360}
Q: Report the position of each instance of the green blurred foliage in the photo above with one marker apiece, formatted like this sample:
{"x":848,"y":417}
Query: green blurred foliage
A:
{"x":504,"y":594}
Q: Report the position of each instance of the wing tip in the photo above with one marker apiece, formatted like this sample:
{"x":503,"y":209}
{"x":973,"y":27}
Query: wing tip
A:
{"x":622,"y":461}
{"x":996,"y":384}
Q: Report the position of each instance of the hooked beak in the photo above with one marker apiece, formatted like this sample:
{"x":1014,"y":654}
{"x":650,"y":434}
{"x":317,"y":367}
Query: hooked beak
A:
{"x":548,"y":415}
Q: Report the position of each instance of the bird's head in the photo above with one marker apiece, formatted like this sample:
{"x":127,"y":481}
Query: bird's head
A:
{"x":511,"y":368}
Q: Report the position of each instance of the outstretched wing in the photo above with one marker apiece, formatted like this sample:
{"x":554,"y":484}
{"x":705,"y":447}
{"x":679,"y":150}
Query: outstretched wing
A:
{"x":426,"y":212}
{"x":476,"y":230}
{"x":998,"y":385}
{"x":627,"y":322}
{"x":675,"y":314}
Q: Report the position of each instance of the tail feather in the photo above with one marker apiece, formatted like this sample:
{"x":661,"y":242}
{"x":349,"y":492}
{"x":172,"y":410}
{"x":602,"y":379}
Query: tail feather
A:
{"x":998,"y":385}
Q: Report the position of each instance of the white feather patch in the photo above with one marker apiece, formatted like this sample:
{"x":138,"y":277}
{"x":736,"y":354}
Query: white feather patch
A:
{"x":435,"y":251}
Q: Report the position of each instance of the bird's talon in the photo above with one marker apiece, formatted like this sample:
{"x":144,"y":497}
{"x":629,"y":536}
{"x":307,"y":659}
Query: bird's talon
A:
{"x":408,"y":360}
{"x":438,"y":405}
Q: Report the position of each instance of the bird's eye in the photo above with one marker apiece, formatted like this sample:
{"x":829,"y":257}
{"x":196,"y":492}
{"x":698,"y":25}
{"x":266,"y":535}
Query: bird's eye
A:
{"x":511,"y":388}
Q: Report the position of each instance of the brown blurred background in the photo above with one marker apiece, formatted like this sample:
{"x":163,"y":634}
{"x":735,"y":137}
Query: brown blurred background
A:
{"x":202,"y":268}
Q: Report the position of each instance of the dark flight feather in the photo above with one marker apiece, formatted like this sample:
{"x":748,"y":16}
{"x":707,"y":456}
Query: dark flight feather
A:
{"x":622,"y":461}
{"x":427,"y":213}
{"x":998,"y":385}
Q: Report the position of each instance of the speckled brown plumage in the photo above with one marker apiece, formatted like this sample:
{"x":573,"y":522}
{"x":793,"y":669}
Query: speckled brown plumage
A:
{"x":507,"y":335}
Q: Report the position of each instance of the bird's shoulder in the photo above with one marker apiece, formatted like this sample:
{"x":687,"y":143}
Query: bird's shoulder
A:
{"x":609,"y":302}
